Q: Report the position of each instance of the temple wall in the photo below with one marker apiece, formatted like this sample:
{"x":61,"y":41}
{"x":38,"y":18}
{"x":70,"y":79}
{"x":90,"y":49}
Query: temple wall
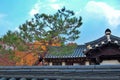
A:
{"x":91,"y":72}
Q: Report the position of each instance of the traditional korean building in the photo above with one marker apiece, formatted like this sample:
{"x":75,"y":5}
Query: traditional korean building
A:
{"x":96,"y":55}
{"x":102,"y":51}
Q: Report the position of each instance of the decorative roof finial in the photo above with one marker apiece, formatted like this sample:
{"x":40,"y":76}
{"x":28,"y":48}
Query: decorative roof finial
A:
{"x":108,"y":31}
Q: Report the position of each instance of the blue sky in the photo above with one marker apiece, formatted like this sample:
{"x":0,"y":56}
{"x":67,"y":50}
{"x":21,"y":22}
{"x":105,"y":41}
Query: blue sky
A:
{"x":97,"y":15}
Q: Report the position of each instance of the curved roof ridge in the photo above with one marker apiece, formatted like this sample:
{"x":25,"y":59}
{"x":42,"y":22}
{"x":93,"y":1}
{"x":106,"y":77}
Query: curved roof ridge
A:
{"x":103,"y":38}
{"x":115,"y":37}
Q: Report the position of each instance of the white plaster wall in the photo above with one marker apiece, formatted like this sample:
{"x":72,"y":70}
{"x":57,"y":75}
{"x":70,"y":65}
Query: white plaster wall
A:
{"x":50,"y":64}
{"x":63,"y":63}
{"x":87,"y":63}
{"x":75,"y":64}
{"x":109,"y":62}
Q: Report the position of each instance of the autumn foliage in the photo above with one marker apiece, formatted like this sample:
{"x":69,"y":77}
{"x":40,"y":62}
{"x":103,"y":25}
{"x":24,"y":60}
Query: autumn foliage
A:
{"x":5,"y":60}
{"x":31,"y":56}
{"x":25,"y":58}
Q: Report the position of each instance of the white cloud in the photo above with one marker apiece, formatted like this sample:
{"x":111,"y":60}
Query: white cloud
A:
{"x":77,"y":13}
{"x":45,"y":6}
{"x":2,"y":16}
{"x":17,"y":29}
{"x":35,"y":9}
{"x":55,"y":6}
{"x":102,"y":9}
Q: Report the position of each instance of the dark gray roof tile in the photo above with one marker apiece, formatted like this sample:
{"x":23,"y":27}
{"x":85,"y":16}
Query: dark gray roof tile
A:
{"x":103,"y":39}
{"x":78,"y":52}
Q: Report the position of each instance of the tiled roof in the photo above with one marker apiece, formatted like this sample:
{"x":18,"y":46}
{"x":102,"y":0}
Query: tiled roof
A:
{"x":78,"y":52}
{"x":97,"y":41}
{"x":104,"y":39}
{"x":115,"y":38}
